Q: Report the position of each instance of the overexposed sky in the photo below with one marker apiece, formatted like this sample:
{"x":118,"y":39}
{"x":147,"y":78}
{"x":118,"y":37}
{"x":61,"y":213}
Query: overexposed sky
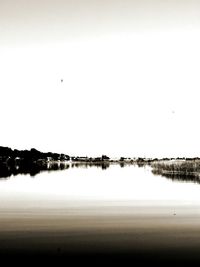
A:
{"x":130,"y":73}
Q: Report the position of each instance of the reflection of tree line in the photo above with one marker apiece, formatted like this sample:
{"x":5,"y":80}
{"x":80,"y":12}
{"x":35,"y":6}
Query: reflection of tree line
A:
{"x":35,"y":168}
{"x":30,"y":168}
{"x":187,"y":170}
{"x":182,"y":171}
{"x":102,"y":165}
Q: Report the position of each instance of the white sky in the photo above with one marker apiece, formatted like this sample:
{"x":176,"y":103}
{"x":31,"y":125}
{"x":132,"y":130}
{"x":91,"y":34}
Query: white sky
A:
{"x":130,"y":83}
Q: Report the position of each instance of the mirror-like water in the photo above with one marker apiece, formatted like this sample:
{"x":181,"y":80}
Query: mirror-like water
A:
{"x":130,"y":183}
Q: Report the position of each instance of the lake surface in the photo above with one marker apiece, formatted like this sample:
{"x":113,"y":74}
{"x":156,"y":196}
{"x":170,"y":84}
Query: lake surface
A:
{"x":114,"y":211}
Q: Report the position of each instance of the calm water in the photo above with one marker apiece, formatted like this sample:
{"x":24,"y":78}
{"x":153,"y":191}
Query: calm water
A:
{"x":90,"y":209}
{"x":130,"y":184}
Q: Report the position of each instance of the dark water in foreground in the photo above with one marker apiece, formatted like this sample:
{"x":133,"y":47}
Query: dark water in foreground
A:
{"x":100,"y":216}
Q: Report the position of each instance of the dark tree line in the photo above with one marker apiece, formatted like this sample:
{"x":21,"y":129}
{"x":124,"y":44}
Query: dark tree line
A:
{"x":8,"y":155}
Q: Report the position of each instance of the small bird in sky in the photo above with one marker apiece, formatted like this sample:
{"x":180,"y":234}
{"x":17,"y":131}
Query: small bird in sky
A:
{"x":61,"y":80}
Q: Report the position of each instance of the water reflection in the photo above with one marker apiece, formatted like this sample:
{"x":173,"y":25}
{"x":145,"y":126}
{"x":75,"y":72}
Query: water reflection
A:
{"x":182,"y":177}
{"x":184,"y":171}
{"x":187,"y":171}
{"x":31,"y":168}
{"x":102,"y":165}
{"x":34,"y":168}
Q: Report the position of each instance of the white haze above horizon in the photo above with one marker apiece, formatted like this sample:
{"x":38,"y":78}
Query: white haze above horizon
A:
{"x":127,"y":92}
